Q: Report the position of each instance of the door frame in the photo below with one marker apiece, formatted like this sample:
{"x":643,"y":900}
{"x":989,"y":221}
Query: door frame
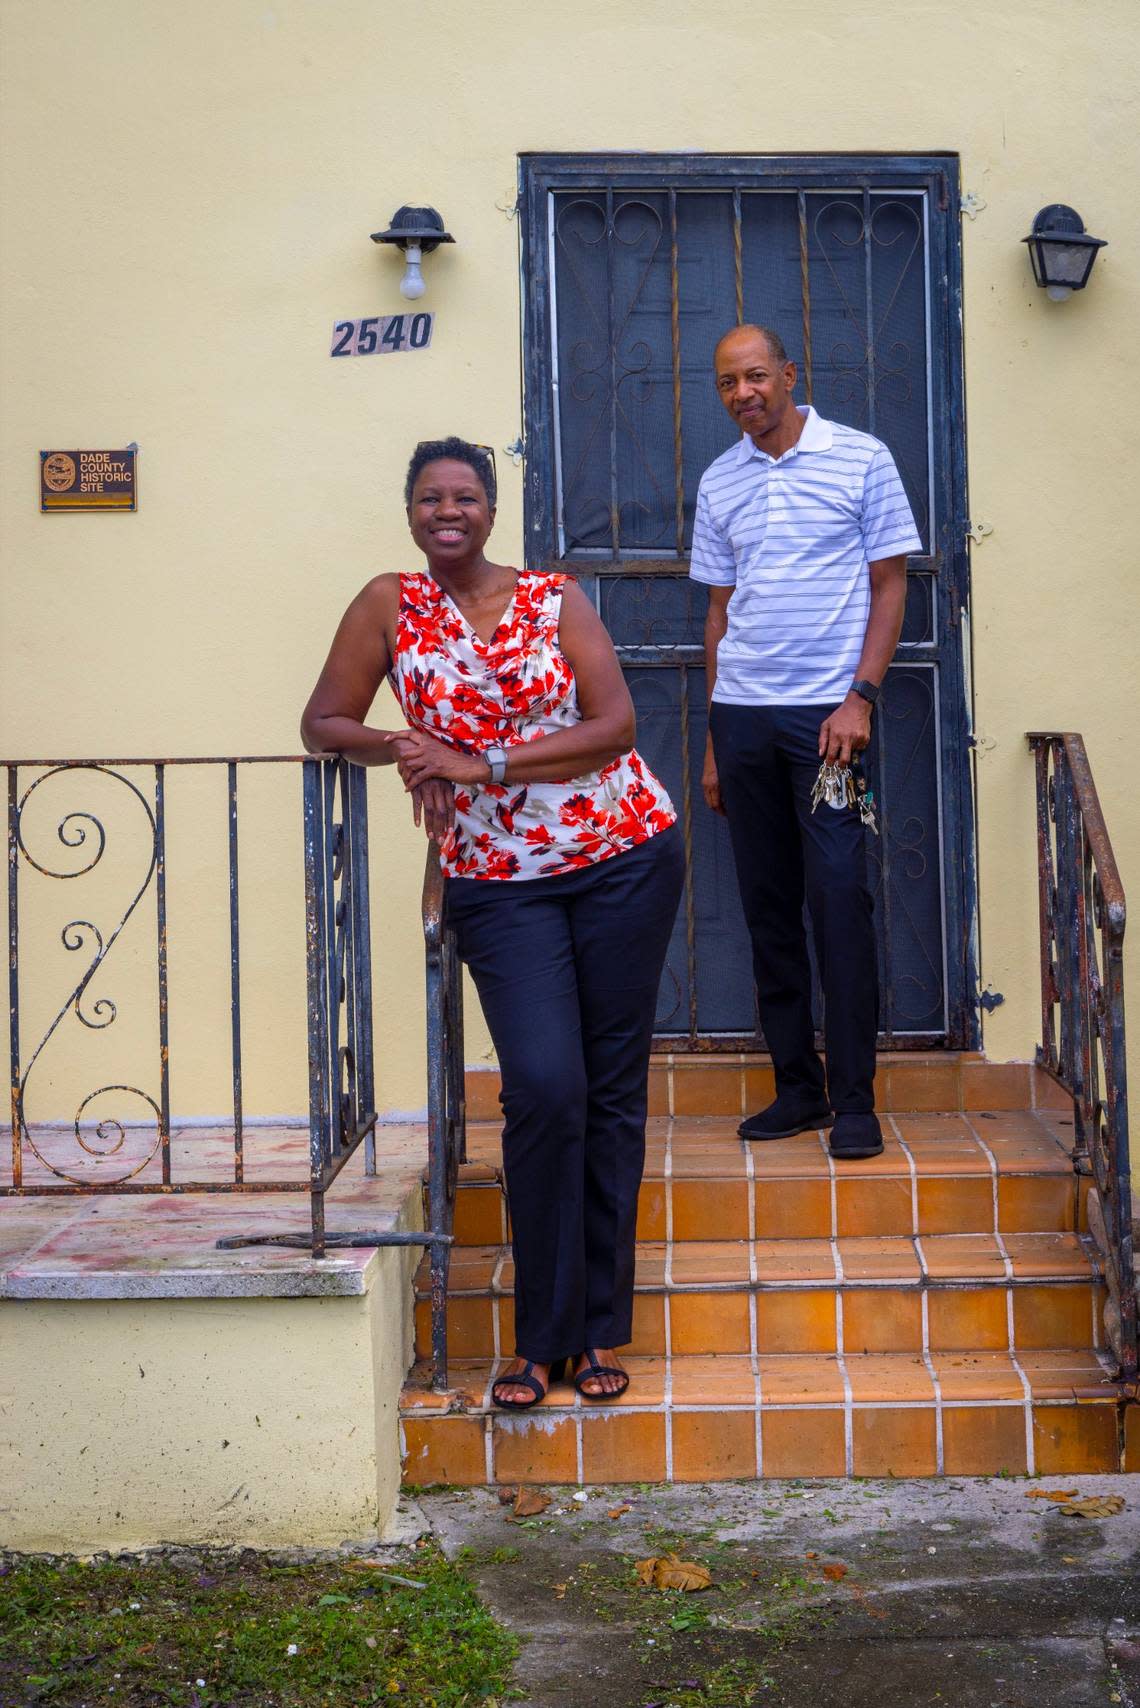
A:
{"x":939,"y":175}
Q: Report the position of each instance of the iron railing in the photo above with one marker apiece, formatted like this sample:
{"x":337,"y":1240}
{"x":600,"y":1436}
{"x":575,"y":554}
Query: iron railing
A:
{"x":447,"y":1107}
{"x":1082,"y":996}
{"x":342,"y":1099}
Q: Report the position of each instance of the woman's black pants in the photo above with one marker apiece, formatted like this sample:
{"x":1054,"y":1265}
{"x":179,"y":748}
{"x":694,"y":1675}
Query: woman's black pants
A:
{"x":567,"y":970}
{"x":767,"y":759}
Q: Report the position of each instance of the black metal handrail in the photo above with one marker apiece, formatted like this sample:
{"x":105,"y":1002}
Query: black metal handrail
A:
{"x":447,"y":1103}
{"x":1083,"y":914}
{"x":342,"y":1099}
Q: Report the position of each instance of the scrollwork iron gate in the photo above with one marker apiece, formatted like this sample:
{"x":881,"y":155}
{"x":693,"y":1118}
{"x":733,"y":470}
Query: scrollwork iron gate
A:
{"x":633,"y":267}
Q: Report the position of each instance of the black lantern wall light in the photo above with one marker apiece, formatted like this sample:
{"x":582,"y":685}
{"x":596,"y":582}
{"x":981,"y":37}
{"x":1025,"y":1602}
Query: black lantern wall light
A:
{"x":1061,"y":250}
{"x":417,"y":231}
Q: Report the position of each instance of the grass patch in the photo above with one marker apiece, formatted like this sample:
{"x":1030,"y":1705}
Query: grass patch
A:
{"x":240,"y":1632}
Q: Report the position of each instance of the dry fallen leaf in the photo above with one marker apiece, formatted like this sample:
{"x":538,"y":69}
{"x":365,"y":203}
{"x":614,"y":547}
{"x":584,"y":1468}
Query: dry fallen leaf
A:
{"x":1096,"y":1506}
{"x":835,"y":1573}
{"x":529,"y":1502}
{"x":560,"y":1591}
{"x":666,"y":1571}
{"x":1053,"y":1494}
{"x":616,"y":1511}
{"x":811,"y":1554}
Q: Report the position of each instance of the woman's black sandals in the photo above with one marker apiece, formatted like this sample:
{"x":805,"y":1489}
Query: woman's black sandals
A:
{"x":592,"y":1371}
{"x":526,"y":1378}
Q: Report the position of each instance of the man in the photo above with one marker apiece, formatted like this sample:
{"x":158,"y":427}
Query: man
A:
{"x":801,"y":533}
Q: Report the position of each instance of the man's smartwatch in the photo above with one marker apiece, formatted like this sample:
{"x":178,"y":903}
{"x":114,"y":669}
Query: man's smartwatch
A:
{"x":496,"y":758}
{"x":868,"y":691}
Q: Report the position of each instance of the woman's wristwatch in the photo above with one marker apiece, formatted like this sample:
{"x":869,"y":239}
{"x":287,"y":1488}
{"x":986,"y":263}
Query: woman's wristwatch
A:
{"x":496,"y":758}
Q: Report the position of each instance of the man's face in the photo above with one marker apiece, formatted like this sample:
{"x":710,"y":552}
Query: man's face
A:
{"x":754,"y":388}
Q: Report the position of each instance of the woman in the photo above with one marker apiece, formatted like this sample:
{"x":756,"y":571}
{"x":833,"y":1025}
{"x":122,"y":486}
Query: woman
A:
{"x":564,"y":870}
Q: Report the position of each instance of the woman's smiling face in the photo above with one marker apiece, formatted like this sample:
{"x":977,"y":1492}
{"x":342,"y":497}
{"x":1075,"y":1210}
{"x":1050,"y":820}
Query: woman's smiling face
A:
{"x":449,"y":515}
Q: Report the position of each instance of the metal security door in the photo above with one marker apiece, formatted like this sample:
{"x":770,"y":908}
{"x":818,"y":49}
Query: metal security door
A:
{"x":633,"y":267}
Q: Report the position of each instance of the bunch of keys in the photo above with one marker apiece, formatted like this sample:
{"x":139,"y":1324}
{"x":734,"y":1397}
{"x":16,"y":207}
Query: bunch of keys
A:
{"x":841,"y":787}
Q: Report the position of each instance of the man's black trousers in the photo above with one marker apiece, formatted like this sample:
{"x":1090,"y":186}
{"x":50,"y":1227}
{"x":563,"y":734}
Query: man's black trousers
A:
{"x":767,"y":759}
{"x":567,"y":970}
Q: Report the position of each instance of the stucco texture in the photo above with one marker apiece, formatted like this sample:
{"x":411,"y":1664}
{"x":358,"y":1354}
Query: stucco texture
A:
{"x":265,"y":1422}
{"x":187,"y":198}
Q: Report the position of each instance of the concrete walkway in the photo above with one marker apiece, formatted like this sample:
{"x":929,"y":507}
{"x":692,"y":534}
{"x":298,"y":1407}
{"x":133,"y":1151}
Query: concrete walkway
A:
{"x":824,"y":1595}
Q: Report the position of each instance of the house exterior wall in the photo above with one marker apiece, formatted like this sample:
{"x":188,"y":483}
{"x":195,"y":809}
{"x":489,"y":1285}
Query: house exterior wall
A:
{"x":187,"y":198}
{"x":258,"y":1422}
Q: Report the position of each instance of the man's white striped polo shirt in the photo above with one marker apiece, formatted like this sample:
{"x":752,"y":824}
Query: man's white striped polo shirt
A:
{"x":794,"y":536}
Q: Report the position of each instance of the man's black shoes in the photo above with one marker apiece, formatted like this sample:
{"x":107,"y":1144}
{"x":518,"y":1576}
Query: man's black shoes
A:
{"x":856,"y":1134}
{"x":791,"y":1113}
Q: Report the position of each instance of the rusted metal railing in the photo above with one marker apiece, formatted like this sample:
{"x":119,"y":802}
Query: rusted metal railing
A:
{"x":1082,"y":998}
{"x":342,"y":1099}
{"x":447,"y":1106}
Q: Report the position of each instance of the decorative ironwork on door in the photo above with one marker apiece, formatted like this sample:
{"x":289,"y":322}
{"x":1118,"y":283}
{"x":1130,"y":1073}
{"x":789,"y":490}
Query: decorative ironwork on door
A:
{"x":635,"y":266}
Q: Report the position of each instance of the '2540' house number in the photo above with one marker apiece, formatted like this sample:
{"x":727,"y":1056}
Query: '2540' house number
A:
{"x":380,"y":334}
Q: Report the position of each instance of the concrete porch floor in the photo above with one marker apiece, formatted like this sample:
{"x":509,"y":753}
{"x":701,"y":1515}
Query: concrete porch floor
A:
{"x":163,"y":1245}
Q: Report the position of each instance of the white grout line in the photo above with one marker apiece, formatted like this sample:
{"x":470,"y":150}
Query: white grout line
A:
{"x":670,"y":1099}
{"x":939,"y":1446}
{"x":753,"y":1282}
{"x":758,"y":1394}
{"x":909,"y":1154}
{"x":580,"y":1463}
{"x":496,"y":1333}
{"x":489,"y":1448}
{"x":837,"y":1283}
{"x":668,"y":1408}
{"x":993,"y":1162}
{"x":831,"y":1178}
{"x":841,"y":1362}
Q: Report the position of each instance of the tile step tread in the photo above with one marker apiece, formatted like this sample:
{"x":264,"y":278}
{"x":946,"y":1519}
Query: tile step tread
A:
{"x":788,"y":1381}
{"x":922,"y":1146}
{"x":730,"y":1266}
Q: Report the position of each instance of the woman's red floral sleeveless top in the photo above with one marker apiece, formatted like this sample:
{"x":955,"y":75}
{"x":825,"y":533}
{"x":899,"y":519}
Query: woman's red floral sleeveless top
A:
{"x":513,"y":688}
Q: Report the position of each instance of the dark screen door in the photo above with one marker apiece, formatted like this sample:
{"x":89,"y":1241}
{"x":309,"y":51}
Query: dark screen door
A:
{"x":633,"y":267}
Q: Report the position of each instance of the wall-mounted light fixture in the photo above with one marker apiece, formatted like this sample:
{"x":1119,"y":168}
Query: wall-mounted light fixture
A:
{"x":417,"y":231}
{"x":1061,"y":250}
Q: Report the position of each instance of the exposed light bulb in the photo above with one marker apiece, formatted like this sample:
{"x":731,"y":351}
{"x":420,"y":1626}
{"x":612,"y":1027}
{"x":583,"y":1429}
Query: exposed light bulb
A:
{"x":1058,"y":293}
{"x":412,"y":284}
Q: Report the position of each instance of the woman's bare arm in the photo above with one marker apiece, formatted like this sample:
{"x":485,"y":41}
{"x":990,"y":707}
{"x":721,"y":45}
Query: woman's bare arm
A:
{"x":358,"y":661}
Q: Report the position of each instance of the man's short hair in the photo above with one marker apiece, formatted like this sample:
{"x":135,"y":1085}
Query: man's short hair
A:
{"x":772,"y":338}
{"x":453,"y":450}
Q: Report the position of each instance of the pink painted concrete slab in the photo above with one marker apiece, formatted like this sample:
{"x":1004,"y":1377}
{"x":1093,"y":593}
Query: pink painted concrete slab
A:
{"x":124,"y":1245}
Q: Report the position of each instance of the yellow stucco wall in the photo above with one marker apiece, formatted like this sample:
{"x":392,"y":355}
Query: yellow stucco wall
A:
{"x":261,"y":1422}
{"x":188,"y":193}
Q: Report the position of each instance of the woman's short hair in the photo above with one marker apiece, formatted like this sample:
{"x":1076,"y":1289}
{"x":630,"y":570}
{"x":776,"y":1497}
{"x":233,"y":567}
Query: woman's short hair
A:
{"x":453,"y":450}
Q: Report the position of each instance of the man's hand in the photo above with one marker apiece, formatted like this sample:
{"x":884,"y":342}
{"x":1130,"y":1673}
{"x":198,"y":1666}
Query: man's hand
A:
{"x":710,"y":782}
{"x":847,"y":732}
{"x":434,"y":803}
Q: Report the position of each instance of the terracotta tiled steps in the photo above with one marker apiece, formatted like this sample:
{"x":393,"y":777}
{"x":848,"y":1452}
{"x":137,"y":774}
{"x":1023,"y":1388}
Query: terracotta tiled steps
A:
{"x":947,"y":1292}
{"x":736,"y":1082}
{"x":1006,"y":1172}
{"x":935,"y":1309}
{"x":702,"y":1419}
